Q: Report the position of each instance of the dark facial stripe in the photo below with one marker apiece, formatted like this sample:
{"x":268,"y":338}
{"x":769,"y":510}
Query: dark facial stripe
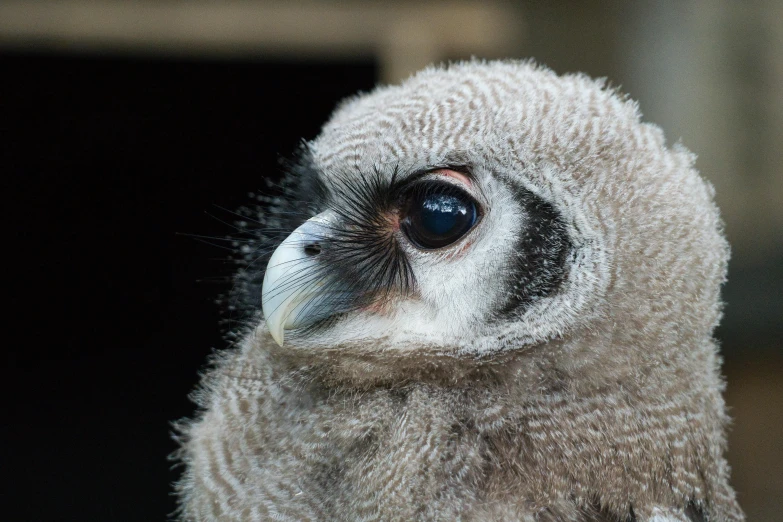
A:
{"x":359,"y":263}
{"x":538,"y":265}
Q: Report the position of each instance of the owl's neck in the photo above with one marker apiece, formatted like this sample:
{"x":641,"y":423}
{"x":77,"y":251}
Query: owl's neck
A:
{"x":490,"y":430}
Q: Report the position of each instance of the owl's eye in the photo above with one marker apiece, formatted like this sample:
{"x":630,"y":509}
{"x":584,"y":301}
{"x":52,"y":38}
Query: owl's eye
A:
{"x":437,"y":215}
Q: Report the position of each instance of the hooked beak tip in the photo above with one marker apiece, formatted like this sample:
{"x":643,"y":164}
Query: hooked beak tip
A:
{"x":293,"y":289}
{"x":276,"y":331}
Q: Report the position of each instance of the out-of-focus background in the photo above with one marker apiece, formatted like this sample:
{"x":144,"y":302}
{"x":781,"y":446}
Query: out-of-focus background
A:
{"x":125,"y":124}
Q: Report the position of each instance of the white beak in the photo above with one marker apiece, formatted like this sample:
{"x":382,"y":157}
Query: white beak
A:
{"x":290,"y":295}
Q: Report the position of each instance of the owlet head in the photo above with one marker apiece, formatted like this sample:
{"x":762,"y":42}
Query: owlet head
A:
{"x":483,"y":208}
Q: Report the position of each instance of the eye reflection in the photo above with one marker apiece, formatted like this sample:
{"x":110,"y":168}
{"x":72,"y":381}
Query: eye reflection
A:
{"x":439,"y":216}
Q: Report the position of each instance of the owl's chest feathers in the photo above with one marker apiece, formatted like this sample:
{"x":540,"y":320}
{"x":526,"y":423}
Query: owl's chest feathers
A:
{"x":488,"y":447}
{"x":461,"y":449}
{"x":416,"y":452}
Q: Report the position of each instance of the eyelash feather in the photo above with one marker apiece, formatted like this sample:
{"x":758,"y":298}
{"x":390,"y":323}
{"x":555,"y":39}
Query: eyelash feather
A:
{"x":361,"y":263}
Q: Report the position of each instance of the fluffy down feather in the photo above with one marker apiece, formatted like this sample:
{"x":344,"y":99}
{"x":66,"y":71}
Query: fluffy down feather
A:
{"x":598,"y":400}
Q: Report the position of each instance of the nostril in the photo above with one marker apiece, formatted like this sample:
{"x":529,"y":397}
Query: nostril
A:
{"x":312,"y":249}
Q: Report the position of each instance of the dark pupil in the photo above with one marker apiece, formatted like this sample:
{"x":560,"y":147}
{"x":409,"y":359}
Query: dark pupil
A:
{"x":437,"y":219}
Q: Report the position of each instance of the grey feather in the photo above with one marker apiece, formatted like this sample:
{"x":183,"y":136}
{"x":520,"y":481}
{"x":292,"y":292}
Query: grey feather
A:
{"x":596,"y":395}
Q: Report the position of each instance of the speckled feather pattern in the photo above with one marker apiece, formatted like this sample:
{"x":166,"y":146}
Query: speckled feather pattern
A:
{"x":601,"y":401}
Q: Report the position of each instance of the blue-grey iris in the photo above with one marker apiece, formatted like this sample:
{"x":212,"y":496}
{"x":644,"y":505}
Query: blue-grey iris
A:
{"x":438,"y":216}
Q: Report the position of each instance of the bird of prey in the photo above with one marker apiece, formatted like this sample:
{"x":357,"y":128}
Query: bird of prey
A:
{"x":485,"y":294}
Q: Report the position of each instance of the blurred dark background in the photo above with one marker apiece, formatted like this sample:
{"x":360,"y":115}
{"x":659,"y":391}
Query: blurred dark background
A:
{"x":127,"y":128}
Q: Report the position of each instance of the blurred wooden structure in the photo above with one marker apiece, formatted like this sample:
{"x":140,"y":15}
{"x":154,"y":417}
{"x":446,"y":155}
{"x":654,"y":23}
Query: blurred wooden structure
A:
{"x":403,"y":37}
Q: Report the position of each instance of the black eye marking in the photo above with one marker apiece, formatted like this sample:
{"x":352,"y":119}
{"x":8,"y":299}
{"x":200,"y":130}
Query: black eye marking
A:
{"x":538,"y":263}
{"x":436,"y":214}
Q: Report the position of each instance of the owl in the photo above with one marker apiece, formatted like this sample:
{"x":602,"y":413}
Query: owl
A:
{"x":485,"y":294}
